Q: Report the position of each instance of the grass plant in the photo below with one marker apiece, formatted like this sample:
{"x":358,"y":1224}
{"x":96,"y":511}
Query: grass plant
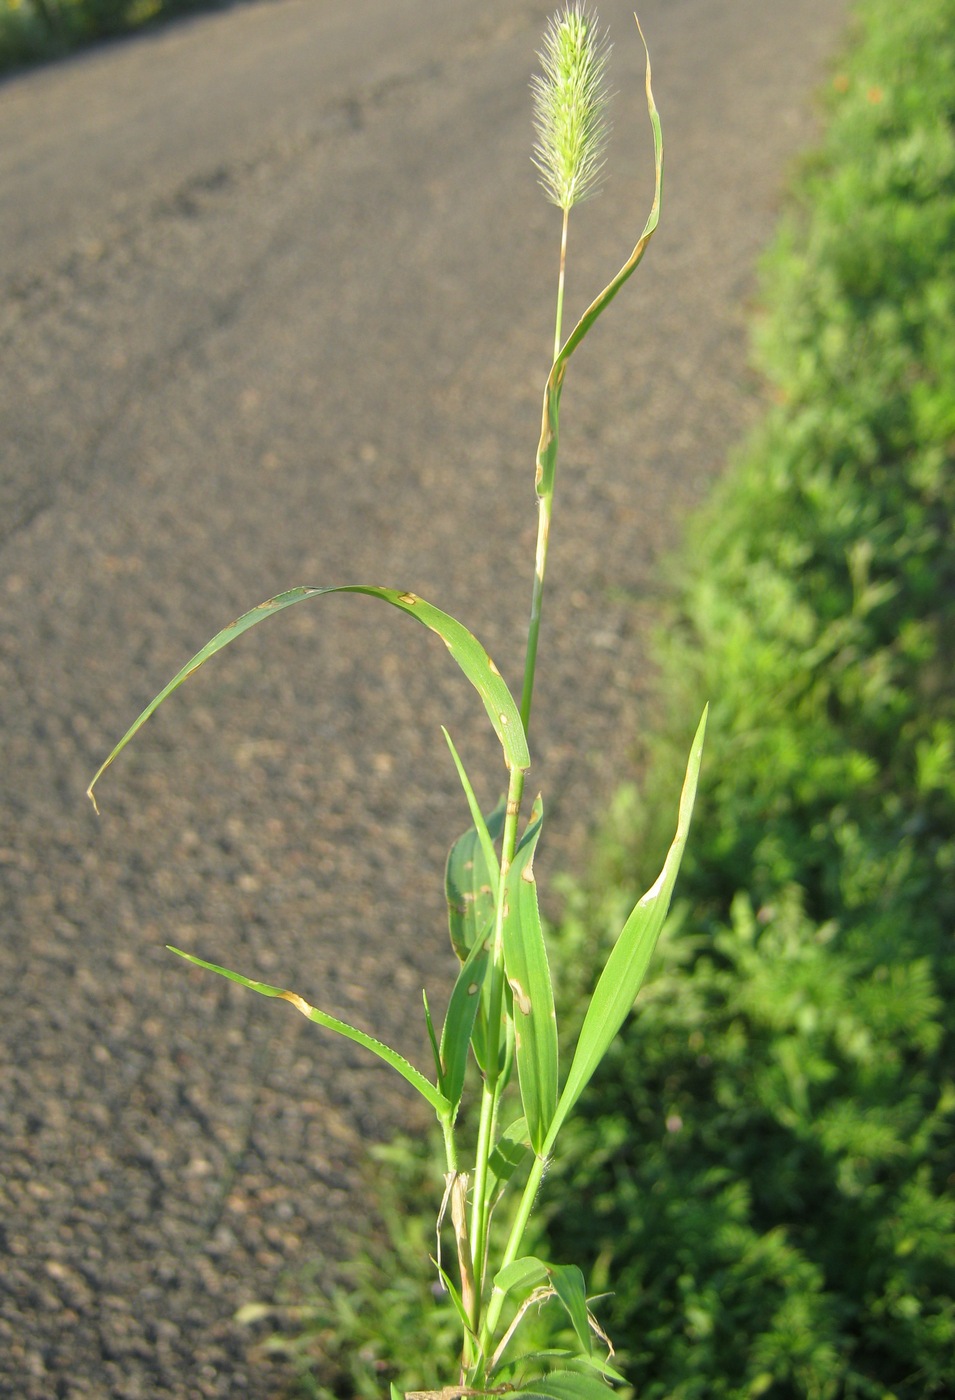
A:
{"x":500,"y":1031}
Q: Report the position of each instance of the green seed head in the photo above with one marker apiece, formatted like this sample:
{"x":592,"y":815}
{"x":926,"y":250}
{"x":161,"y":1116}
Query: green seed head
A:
{"x":570,"y":104}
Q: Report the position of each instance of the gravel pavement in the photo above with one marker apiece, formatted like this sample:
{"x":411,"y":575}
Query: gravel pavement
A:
{"x":277,"y":291}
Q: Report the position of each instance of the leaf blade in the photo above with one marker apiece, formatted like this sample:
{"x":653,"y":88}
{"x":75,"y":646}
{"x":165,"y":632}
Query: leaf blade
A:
{"x":528,"y":973}
{"x":481,"y":826}
{"x":629,"y":958}
{"x":472,"y":871}
{"x":467,"y":651}
{"x":525,"y":1272}
{"x":565,"y":1385}
{"x":384,"y":1052}
{"x":568,"y":1282}
{"x":463,"y":1006}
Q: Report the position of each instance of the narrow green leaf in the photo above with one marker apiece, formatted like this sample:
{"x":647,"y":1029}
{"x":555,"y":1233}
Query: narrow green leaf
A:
{"x":457,"y":1300}
{"x":565,"y":1385}
{"x":396,"y":1394}
{"x":547,"y":447}
{"x":384,"y":1052}
{"x":459,"y":1023}
{"x":480,"y":825}
{"x":627,"y":964}
{"x":432,"y":1038}
{"x":569,"y":1286}
{"x":465,"y":648}
{"x":528,"y":974}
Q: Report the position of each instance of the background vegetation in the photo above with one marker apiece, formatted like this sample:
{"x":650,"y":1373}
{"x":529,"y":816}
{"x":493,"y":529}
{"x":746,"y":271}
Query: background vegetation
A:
{"x":764,"y":1169}
{"x":33,"y":30}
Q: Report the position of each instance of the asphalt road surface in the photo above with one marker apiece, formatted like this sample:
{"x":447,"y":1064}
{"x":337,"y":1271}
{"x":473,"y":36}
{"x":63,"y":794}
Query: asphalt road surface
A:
{"x":277,"y":291}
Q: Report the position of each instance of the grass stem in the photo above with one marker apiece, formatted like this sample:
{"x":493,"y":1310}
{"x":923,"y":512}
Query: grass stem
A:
{"x":544,"y":513}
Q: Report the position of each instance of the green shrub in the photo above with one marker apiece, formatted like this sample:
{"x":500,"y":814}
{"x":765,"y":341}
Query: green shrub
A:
{"x":766,"y":1166}
{"x":33,"y":30}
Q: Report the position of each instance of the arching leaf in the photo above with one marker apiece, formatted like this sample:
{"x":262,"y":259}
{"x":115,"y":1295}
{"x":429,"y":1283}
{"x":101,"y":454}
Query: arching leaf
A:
{"x":463,"y":646}
{"x":384,"y":1052}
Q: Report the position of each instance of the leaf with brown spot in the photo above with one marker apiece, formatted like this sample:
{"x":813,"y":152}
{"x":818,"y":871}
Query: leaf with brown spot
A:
{"x":384,"y":1052}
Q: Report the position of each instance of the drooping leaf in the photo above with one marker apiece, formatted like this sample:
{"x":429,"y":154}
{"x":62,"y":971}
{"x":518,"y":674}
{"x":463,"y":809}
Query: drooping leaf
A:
{"x":384,"y":1052}
{"x":568,"y":1282}
{"x":627,"y":964}
{"x":463,"y":646}
{"x":528,"y":974}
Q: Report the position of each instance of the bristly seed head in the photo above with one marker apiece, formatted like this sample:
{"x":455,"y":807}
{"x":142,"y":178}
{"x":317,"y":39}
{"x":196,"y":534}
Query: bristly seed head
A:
{"x":570,"y":104}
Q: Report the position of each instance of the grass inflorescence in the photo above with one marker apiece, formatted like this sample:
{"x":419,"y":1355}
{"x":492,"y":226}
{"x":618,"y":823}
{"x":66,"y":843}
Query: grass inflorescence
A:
{"x":570,"y":108}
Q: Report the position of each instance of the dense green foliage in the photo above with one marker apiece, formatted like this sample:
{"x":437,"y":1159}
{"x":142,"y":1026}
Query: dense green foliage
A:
{"x":765,"y":1171}
{"x":32,"y":30}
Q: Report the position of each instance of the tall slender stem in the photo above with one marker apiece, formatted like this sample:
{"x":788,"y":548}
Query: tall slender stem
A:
{"x":560,"y":281}
{"x":544,"y":513}
{"x":489,"y":1102}
{"x":480,"y":1209}
{"x":512,"y":1250}
{"x":480,"y":1202}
